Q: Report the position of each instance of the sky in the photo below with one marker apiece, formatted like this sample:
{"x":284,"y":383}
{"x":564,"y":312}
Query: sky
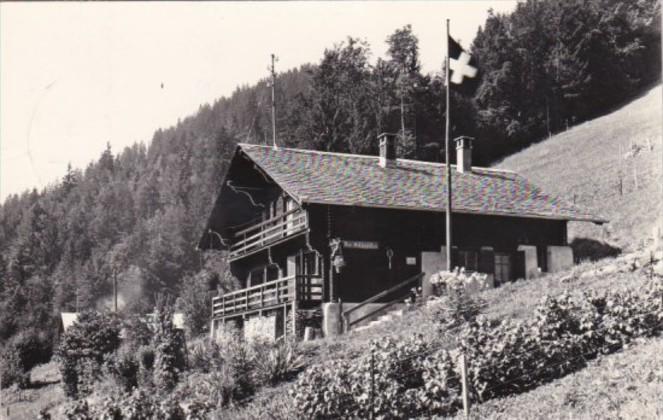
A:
{"x":76,"y":76}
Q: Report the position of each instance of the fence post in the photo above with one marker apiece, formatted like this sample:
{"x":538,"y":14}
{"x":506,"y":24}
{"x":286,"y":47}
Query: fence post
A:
{"x":463,"y":378}
{"x":635,"y":175}
{"x":372,"y":391}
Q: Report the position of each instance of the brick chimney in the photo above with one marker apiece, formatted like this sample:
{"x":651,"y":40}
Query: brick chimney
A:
{"x":387,"y":150}
{"x":464,"y":153}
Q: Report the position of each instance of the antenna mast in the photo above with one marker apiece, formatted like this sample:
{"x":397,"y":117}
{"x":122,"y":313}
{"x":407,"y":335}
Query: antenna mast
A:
{"x":274,"y":58}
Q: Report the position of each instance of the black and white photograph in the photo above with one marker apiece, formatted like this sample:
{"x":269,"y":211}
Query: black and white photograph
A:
{"x":331,"y":210}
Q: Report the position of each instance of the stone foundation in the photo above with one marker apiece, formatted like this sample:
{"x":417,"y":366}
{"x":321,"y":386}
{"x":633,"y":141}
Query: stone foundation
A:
{"x":260,"y":328}
{"x":560,"y":258}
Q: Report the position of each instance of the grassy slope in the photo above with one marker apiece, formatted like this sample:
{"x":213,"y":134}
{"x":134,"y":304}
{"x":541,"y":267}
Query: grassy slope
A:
{"x":626,"y":385}
{"x":515,"y":300}
{"x":46,"y":393}
{"x":585,"y":162}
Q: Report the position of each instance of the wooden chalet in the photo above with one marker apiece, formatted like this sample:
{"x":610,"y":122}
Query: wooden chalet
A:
{"x":317,"y":238}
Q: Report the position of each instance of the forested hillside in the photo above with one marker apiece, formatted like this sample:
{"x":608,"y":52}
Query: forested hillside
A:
{"x":136,"y":214}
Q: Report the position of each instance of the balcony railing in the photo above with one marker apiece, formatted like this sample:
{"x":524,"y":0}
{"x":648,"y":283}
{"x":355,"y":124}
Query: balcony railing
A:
{"x":255,"y":237}
{"x":302,"y":289}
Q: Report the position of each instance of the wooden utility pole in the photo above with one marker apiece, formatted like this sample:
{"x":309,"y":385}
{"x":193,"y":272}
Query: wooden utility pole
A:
{"x":402,"y":105}
{"x":273,"y":102}
{"x":448,"y":160}
{"x":463,"y":378}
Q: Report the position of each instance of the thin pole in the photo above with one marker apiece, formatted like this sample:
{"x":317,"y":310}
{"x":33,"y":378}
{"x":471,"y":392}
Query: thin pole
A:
{"x":273,"y":103}
{"x":115,"y":290}
{"x":463,"y":379}
{"x":372,"y":390}
{"x":447,"y":160}
{"x":402,"y":105}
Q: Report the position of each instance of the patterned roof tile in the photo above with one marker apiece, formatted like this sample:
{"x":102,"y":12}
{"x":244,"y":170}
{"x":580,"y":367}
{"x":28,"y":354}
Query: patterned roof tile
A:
{"x":358,"y":180}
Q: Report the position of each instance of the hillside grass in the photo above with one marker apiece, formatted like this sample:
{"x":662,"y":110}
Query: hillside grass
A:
{"x":45,"y":393}
{"x":624,"y":385}
{"x":586,"y":163}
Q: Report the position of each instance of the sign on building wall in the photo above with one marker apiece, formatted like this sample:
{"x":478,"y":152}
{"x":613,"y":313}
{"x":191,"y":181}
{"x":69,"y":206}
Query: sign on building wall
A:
{"x":360,"y":244}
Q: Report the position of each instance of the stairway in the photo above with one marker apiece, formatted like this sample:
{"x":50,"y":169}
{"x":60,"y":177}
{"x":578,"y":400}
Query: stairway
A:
{"x":381,"y":320}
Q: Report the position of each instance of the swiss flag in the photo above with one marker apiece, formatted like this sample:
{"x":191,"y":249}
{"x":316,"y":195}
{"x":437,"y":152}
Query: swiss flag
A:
{"x":464,"y":70}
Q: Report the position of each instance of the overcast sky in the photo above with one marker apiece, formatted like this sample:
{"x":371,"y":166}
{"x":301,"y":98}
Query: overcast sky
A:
{"x":74,"y":76}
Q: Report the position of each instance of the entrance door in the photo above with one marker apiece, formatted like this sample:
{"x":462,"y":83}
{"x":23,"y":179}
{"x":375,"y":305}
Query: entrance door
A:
{"x":365,"y":274}
{"x":502,"y":268}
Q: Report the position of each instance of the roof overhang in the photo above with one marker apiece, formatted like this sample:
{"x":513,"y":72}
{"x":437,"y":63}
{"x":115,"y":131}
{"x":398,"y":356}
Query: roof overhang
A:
{"x":598,"y":221}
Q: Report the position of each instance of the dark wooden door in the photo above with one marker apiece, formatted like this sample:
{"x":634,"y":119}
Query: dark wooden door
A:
{"x":365,"y":274}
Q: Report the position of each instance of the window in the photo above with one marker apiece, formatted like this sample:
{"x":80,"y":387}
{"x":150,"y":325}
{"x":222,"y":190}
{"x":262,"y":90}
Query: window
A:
{"x":468,"y":259}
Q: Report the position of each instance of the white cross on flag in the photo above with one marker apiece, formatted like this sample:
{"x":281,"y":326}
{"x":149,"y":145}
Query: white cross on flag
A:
{"x":461,"y":64}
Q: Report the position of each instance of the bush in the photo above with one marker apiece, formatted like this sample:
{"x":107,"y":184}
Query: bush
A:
{"x":123,"y":367}
{"x":83,"y":348}
{"x":413,"y":377}
{"x":454,"y":303}
{"x":278,"y":362}
{"x":169,"y":347}
{"x":145,"y":356}
{"x":12,"y":370}
{"x":24,"y":351}
{"x":389,"y":379}
{"x":208,"y":391}
{"x":77,"y":410}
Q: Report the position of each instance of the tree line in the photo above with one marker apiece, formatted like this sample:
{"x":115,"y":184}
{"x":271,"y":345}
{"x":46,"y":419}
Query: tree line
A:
{"x":135,"y":216}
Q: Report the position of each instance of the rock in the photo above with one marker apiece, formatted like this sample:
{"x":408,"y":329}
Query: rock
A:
{"x":658,"y":268}
{"x":609,"y":269}
{"x":589,"y":274}
{"x":309,"y":334}
{"x":567,"y":278}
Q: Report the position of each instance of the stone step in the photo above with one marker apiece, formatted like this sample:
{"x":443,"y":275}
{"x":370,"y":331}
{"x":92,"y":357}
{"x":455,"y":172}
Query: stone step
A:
{"x":382,"y":319}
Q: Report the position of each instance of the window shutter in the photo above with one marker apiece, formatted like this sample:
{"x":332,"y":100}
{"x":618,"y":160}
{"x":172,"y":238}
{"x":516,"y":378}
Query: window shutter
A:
{"x":519,"y":265}
{"x":487,"y":261}
{"x":455,"y":259}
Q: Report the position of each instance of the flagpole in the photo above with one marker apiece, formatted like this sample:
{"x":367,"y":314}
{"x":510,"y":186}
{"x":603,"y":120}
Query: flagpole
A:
{"x":447,"y":160}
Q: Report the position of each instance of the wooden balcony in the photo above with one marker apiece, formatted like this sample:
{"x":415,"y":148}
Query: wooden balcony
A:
{"x":254,"y":238}
{"x":305,"y":290}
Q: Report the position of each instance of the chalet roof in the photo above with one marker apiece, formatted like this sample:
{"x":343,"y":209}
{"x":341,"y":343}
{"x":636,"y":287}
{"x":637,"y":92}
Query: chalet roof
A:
{"x":357,"y":180}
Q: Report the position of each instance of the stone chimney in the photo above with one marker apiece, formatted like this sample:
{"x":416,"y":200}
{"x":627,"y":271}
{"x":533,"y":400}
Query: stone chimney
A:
{"x":387,"y":150}
{"x":464,"y":153}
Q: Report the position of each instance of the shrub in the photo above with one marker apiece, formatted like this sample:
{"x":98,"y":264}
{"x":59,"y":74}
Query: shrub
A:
{"x":77,"y":410}
{"x":24,"y":351}
{"x":145,"y":357}
{"x":386,"y":380}
{"x":196,"y":299}
{"x":82,"y":350}
{"x":278,"y":362}
{"x":12,"y":370}
{"x":123,"y":367}
{"x":413,"y":377}
{"x":168,"y":344}
{"x":455,"y":303}
{"x":204,"y":355}
{"x":240,"y":357}
{"x":207,"y":391}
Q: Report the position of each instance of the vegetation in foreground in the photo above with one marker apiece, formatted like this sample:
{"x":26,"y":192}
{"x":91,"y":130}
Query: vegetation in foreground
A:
{"x":625,"y":385}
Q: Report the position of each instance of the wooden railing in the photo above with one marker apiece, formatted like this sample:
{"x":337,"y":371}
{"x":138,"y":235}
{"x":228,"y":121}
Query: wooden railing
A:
{"x":303,"y":289}
{"x":347,"y":324}
{"x":255,"y":237}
